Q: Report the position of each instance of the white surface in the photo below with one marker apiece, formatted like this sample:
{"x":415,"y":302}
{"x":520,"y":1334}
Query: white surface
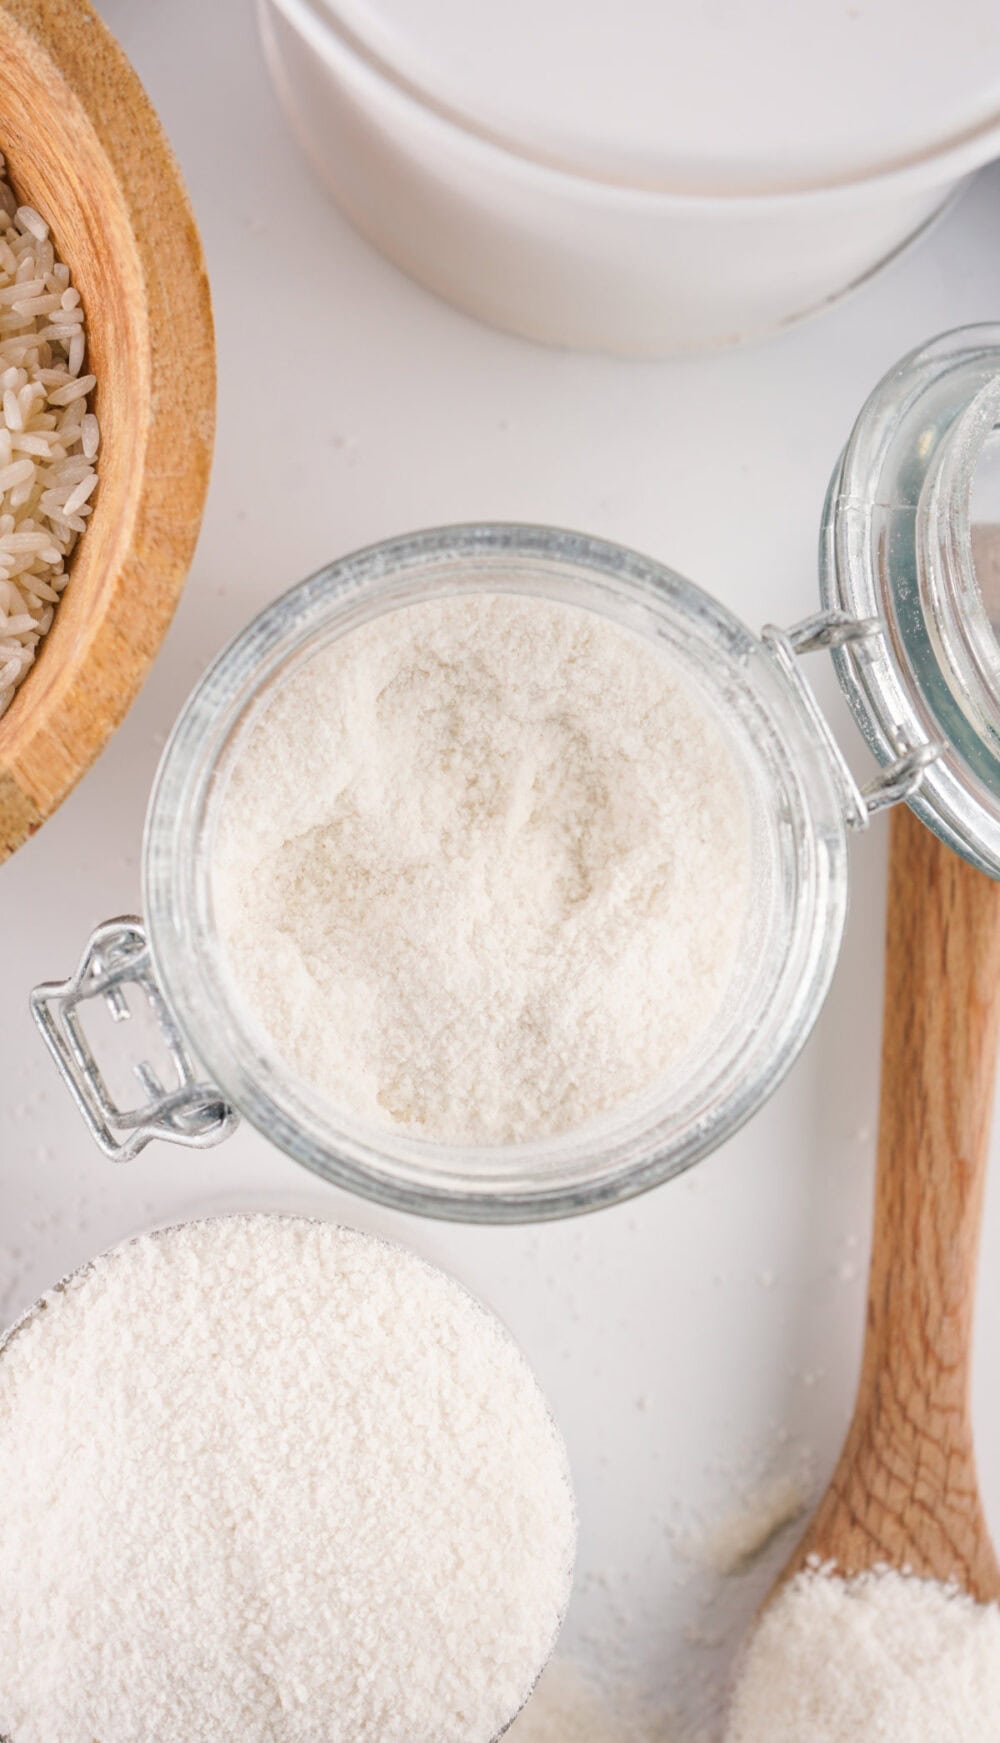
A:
{"x":710,"y":1331}
{"x":691,"y":97}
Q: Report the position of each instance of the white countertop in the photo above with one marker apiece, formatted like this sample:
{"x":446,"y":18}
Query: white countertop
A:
{"x":701,"y":1341}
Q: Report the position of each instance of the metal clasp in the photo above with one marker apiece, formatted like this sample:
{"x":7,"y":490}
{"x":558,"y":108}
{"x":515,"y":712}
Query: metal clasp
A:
{"x":899,"y":779}
{"x":191,"y":1112}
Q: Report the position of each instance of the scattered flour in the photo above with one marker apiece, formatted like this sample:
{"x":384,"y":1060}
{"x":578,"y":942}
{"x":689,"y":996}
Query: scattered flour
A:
{"x":481,"y":869}
{"x":569,"y":1707}
{"x":882,"y":1658}
{"x":566,"y":1707}
{"x":275,"y":1481}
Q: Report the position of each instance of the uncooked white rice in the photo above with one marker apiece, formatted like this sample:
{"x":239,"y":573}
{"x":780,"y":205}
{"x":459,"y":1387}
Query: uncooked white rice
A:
{"x":48,"y":438}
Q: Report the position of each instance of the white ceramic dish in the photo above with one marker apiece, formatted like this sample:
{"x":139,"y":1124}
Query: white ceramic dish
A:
{"x":585,"y":211}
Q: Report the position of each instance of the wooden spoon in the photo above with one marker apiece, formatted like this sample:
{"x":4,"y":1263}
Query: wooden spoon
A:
{"x":905,"y":1491}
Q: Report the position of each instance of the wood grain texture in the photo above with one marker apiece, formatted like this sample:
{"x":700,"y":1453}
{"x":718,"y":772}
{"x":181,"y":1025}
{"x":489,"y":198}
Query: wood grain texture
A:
{"x":84,"y":146}
{"x":905,"y":1490}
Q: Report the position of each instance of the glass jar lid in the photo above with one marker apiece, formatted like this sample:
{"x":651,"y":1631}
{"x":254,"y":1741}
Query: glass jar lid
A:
{"x":911,"y":539}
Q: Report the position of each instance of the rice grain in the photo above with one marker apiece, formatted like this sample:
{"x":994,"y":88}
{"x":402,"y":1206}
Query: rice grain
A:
{"x":48,"y":437}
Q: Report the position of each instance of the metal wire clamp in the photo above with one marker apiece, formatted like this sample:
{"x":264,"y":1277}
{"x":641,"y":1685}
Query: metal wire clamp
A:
{"x":191,"y":1112}
{"x":900,"y":778}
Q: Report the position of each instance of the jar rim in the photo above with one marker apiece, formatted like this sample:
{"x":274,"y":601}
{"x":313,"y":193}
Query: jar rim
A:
{"x":623,"y":1153}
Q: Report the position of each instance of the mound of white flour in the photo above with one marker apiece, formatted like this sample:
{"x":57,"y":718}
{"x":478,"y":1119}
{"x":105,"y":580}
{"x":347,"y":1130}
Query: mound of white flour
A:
{"x":271,"y":1481}
{"x":882,"y":1658}
{"x":482,"y":868}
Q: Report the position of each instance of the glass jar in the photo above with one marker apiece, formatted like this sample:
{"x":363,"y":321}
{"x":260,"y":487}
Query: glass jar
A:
{"x":879,"y":532}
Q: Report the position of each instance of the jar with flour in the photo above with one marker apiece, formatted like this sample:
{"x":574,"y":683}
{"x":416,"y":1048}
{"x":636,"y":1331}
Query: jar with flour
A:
{"x":497,"y":872}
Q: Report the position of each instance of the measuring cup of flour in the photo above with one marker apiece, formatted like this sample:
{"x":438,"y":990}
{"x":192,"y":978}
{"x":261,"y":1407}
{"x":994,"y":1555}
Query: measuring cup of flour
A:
{"x":275,"y":1478}
{"x":499,"y":872}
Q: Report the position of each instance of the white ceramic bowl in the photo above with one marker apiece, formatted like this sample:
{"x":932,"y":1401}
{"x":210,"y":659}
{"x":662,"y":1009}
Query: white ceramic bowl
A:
{"x":566,"y":259}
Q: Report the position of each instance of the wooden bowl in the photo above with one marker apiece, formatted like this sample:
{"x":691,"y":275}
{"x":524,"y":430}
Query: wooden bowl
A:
{"x":84,"y":146}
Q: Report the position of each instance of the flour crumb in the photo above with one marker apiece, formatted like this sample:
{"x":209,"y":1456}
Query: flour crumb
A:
{"x":482,"y":869}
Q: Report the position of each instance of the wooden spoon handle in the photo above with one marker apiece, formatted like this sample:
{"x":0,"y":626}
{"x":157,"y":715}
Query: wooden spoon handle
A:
{"x":905,"y":1490}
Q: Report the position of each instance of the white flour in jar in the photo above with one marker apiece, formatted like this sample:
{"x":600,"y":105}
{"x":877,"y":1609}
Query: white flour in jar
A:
{"x":881,"y":1658}
{"x":267,"y":1480}
{"x":482,"y":868}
